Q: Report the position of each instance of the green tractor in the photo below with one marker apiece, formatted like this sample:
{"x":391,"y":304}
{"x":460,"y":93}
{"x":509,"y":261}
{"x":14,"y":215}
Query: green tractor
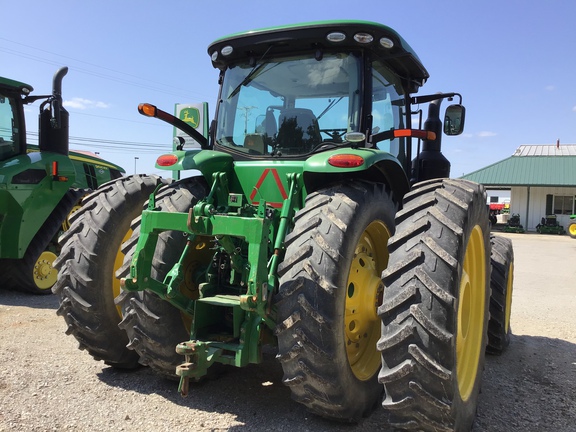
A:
{"x":40,"y":185}
{"x":322,"y":222}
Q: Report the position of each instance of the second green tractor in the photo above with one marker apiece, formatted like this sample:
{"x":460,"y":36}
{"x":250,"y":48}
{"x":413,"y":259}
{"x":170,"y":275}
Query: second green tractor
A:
{"x":321,"y":221}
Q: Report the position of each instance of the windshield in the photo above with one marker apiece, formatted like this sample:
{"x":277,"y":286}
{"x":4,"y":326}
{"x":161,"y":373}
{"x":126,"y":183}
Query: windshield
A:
{"x":289,"y":106}
{"x":9,"y":138}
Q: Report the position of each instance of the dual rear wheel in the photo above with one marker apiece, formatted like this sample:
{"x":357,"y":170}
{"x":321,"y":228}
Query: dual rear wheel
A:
{"x":435,"y":310}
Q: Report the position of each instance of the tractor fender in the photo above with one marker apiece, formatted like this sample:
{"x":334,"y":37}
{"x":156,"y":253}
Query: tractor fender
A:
{"x":29,"y":194}
{"x":378,"y":166}
{"x":205,"y":161}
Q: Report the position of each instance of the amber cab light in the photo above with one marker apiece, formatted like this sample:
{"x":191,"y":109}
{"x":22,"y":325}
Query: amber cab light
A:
{"x":346,"y":160}
{"x":167,"y":160}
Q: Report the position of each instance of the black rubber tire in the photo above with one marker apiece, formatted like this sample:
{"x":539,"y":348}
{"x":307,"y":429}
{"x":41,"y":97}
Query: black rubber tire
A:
{"x":316,"y":282}
{"x":441,"y":242}
{"x":20,"y":274}
{"x":154,"y":327}
{"x":87,"y":264}
{"x":572,"y":230}
{"x":501,"y":283}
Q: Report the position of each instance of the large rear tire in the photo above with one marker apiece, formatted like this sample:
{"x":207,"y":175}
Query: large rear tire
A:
{"x":501,"y":282}
{"x":89,"y":258}
{"x":154,"y":327}
{"x":435,"y":308}
{"x":330,"y":288}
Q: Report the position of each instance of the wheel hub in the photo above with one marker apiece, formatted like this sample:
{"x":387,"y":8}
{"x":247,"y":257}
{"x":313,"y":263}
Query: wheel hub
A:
{"x":44,"y":274}
{"x":363,"y":296}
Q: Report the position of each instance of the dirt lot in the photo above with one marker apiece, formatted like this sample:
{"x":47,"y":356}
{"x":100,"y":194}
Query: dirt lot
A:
{"x":47,"y":384}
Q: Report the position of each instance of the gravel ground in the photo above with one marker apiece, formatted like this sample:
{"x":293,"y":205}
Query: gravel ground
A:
{"x":47,"y":384}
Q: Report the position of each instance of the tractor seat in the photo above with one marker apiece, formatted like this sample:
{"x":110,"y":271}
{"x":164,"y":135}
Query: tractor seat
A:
{"x":298,"y":131}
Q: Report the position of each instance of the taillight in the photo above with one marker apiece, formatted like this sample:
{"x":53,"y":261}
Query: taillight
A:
{"x":167,"y":160}
{"x":346,"y":160}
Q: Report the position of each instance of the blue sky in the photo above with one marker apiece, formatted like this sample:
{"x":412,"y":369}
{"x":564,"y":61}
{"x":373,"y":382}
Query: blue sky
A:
{"x":512,"y":61}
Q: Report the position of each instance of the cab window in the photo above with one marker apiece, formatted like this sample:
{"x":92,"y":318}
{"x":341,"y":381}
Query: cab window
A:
{"x":388,"y":108}
{"x":9,"y":139}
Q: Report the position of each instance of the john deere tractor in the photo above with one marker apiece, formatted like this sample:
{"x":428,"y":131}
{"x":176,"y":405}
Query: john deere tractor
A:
{"x":322,"y":222}
{"x":40,"y":185}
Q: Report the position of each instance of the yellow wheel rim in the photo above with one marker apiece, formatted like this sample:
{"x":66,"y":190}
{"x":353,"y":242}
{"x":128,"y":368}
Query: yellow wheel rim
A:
{"x":66,"y":223}
{"x":508,"y":310}
{"x":471,"y":313}
{"x":44,"y":273}
{"x":363,"y":296}
{"x":118,"y":261}
{"x":572,"y":229}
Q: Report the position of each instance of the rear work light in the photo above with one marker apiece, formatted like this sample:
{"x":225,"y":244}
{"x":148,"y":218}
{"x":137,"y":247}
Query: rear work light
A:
{"x":345,"y":160}
{"x":167,"y":160}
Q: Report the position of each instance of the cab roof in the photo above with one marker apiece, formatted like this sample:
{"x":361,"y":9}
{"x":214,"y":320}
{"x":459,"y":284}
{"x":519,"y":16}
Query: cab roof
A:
{"x":9,"y":84}
{"x":291,"y":39}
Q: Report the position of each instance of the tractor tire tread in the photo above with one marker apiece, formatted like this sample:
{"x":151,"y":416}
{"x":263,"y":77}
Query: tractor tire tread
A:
{"x":154,"y":326}
{"x":308,"y":286}
{"x":90,"y":313}
{"x":501,"y":259}
{"x":417,"y":335}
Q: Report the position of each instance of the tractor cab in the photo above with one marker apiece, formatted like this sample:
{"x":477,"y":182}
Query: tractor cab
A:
{"x":301,"y":90}
{"x":12,"y":129}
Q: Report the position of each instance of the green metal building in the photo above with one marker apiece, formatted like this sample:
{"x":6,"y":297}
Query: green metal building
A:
{"x":541,"y":180}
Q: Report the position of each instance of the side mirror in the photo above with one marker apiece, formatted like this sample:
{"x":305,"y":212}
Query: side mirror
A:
{"x":454,"y":119}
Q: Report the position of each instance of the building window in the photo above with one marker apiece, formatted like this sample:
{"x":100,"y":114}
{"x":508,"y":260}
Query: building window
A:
{"x":563,"y":205}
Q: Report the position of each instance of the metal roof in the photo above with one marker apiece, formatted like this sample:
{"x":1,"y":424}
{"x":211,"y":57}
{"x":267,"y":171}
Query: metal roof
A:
{"x":546,"y":150}
{"x":536,"y":165}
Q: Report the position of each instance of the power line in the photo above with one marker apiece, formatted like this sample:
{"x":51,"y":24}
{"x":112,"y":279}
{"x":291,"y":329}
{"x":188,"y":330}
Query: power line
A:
{"x":164,"y":88}
{"x":118,"y":145}
{"x":119,"y":119}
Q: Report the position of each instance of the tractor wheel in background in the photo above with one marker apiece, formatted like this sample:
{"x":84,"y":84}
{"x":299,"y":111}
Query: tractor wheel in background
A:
{"x":35,"y":272}
{"x":435,"y":309}
{"x":330,"y":289}
{"x":154,"y":326}
{"x":89,"y":258}
{"x":572,"y":230}
{"x":501,"y":281}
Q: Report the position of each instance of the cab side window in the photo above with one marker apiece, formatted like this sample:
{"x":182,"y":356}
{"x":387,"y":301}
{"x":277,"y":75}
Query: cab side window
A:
{"x":9,"y":141}
{"x":388,"y":108}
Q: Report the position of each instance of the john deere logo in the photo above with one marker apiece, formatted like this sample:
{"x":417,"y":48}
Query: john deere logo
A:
{"x":190,"y":116}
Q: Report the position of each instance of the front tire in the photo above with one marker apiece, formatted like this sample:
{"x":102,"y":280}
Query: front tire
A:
{"x":90,"y":255}
{"x":330,"y":288}
{"x":435,"y":309}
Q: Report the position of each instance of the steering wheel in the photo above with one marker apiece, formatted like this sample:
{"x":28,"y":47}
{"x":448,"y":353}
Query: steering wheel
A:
{"x":334,"y":134}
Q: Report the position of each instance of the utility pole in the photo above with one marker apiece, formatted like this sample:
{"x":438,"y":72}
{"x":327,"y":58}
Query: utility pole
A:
{"x":246,"y":116}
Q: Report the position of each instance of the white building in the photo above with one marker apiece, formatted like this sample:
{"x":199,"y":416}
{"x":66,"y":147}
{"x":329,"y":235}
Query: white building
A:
{"x":541,"y":179}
